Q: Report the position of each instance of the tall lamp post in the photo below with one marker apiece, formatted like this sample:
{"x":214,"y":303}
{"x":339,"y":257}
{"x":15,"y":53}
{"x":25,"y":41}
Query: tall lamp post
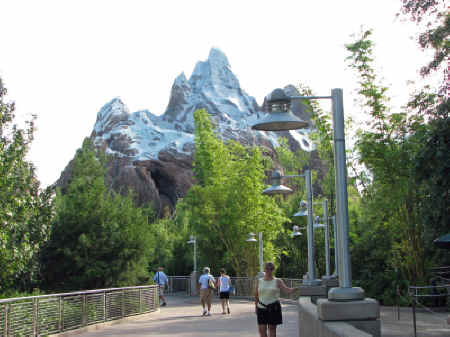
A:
{"x":251,"y":238}
{"x":280,"y":118}
{"x":193,"y":241}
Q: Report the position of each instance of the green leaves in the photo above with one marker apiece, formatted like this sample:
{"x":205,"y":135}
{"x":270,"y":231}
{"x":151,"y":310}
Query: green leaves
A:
{"x":99,"y":238}
{"x":25,"y":210}
{"x":227,"y":203}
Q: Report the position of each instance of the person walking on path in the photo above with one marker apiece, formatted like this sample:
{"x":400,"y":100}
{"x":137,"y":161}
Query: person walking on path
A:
{"x":224,"y":285}
{"x":206,"y":284}
{"x":161,"y":279}
{"x":267,"y":301}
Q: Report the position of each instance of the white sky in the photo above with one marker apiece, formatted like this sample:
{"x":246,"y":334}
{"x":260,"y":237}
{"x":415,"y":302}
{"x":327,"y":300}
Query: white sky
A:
{"x":63,"y":60}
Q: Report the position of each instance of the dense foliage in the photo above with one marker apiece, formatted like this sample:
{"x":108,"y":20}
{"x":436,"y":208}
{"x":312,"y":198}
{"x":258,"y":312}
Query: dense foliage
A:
{"x":227,"y":204}
{"x":25,"y":210}
{"x":99,"y":238}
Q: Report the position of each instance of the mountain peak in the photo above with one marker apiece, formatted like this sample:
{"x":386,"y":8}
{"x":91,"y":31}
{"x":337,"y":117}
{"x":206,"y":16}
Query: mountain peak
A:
{"x":218,"y":58}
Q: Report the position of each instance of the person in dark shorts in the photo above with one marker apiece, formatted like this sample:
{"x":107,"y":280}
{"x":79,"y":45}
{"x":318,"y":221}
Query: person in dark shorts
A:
{"x":224,"y":285}
{"x":267,"y":301}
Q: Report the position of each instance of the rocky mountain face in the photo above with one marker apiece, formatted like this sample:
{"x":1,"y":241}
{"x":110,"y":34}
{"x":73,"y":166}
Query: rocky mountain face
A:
{"x":153,"y":154}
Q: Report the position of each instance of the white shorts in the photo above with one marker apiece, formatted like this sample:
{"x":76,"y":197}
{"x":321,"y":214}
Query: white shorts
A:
{"x":161,"y":290}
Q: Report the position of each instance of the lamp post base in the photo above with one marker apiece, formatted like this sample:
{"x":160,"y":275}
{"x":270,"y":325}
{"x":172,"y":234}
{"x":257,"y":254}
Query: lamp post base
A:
{"x":311,"y":282}
{"x":340,"y":294}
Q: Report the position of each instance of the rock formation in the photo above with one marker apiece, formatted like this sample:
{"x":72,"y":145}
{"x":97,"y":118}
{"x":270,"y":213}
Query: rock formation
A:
{"x":153,"y":154}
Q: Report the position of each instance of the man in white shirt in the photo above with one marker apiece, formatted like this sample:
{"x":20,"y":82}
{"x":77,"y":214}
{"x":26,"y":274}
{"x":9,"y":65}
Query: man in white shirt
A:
{"x":205,"y":290}
{"x":161,"y":279}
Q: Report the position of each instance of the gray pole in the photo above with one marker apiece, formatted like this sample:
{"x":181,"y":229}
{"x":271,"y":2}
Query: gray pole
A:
{"x":336,"y":247}
{"x":327,"y":239}
{"x":261,"y":257}
{"x":345,"y":290}
{"x":195,"y":254}
{"x":311,"y":280}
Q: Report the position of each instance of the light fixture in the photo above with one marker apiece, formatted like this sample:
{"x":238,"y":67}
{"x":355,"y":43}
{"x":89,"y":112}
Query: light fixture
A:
{"x":296,"y":231}
{"x":251,"y":237}
{"x":280,"y":117}
{"x":276,"y":187}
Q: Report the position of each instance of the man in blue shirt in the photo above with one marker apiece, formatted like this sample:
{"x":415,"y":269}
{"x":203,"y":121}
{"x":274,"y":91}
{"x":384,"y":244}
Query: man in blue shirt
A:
{"x":161,"y":279}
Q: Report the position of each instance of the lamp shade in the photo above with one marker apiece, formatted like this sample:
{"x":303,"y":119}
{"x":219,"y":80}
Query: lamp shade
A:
{"x":276,"y":187}
{"x":296,"y":231}
{"x":280,"y":117}
{"x":251,"y":237}
{"x":301,"y":213}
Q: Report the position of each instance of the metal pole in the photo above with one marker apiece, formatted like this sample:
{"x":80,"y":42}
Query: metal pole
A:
{"x":310,"y":230}
{"x":195,"y":254}
{"x":345,"y":290}
{"x":336,"y":247}
{"x":327,"y":239}
{"x":261,"y":257}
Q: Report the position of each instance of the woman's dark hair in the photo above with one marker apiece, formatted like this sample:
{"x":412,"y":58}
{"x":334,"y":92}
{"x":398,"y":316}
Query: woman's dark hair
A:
{"x":222,"y":270}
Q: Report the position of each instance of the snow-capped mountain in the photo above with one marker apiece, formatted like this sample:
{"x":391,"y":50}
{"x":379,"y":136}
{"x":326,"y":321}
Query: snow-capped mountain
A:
{"x":212,"y":86}
{"x":153,"y":153}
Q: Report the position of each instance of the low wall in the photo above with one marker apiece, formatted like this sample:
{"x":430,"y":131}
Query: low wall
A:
{"x":310,"y":324}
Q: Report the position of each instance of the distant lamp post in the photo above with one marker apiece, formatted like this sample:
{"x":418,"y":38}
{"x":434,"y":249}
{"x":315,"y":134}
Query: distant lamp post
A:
{"x":277,"y":188}
{"x":296,"y":231}
{"x":280,"y":119}
{"x":193,"y":241}
{"x":303,"y":211}
{"x":252,"y":238}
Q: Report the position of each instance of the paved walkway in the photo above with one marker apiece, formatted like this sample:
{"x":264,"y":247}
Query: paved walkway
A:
{"x":182,"y":317}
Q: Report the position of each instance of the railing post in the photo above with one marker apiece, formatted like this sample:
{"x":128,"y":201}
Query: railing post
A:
{"x":38,"y":328}
{"x":60,"y":316}
{"x":123,"y":303}
{"x":62,"y":312}
{"x":140,"y":300}
{"x":104,"y":306}
{"x":5,"y":327}
{"x":33,"y":321}
{"x":84,"y":312}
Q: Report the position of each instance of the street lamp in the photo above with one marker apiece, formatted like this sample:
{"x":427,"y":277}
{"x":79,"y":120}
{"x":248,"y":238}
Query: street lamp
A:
{"x":282,"y":119}
{"x":251,"y":238}
{"x":277,"y":188}
{"x":192,"y":240}
{"x":296,"y":231}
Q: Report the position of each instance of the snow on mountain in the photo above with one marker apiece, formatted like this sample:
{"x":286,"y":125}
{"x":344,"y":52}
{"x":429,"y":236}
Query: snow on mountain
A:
{"x":142,"y":136}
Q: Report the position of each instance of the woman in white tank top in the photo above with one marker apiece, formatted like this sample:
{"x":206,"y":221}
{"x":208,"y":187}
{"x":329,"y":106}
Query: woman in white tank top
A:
{"x":224,"y":284}
{"x":267,"y":301}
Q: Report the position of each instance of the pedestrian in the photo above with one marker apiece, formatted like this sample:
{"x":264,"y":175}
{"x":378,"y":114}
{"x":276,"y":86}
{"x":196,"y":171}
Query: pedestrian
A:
{"x":206,"y":284}
{"x":224,"y":285}
{"x":267,"y":301}
{"x":162,"y":280}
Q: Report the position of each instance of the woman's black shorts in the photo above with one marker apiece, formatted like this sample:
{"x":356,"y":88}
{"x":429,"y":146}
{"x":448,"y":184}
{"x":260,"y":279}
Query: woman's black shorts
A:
{"x":224,"y":294}
{"x":271,"y":315}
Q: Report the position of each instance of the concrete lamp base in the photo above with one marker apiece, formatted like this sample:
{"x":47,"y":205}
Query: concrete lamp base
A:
{"x":362,"y":314}
{"x":340,"y":294}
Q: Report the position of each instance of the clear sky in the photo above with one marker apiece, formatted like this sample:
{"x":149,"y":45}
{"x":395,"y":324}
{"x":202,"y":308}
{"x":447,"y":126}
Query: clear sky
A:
{"x":63,"y":60}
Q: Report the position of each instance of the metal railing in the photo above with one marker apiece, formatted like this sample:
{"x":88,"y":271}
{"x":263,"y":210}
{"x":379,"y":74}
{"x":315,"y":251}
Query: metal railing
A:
{"x":179,"y":285}
{"x":245,"y":286}
{"x":242,"y":286}
{"x":417,"y":293}
{"x":49,"y":314}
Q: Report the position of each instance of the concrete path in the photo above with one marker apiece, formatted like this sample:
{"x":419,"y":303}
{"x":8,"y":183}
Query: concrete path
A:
{"x":182,"y":317}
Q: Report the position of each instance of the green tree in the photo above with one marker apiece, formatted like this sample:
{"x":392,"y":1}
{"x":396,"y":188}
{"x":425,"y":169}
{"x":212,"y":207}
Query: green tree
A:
{"x":99,"y":238}
{"x":25,"y":210}
{"x":227,"y":203}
